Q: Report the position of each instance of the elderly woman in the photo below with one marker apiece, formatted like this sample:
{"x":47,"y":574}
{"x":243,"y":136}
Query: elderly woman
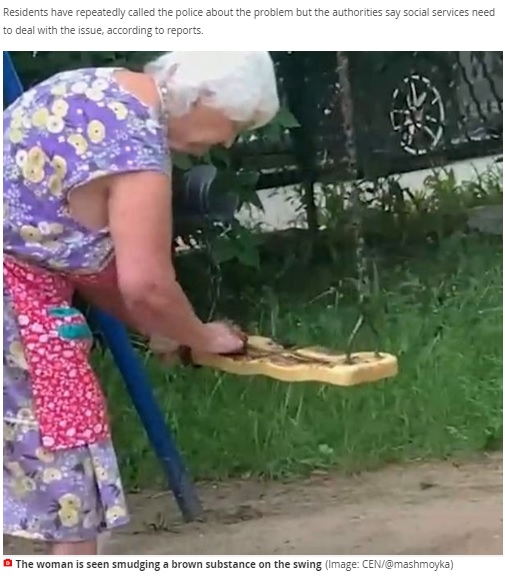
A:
{"x":87,"y":207}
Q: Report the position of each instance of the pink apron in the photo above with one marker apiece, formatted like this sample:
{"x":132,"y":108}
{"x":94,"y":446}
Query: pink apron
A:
{"x":69,"y":404}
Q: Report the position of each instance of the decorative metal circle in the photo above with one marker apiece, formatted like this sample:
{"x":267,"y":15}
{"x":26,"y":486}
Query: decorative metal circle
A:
{"x":418,"y":114}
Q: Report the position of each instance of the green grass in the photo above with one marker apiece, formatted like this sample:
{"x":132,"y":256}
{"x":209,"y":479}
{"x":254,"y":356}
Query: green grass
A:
{"x":443,"y":318}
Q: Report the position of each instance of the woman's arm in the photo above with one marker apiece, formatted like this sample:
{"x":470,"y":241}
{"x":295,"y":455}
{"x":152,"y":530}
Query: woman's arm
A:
{"x":140,"y":220}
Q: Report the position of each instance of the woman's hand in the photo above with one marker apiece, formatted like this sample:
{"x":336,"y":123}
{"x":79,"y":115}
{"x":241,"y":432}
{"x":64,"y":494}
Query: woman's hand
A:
{"x":166,"y":348}
{"x":223,"y":338}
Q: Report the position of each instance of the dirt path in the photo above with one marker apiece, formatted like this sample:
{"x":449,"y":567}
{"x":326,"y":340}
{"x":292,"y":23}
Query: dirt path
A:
{"x":436,"y":508}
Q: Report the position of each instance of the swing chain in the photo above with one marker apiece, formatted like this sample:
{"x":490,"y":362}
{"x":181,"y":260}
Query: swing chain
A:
{"x":214,"y":268}
{"x":363,"y":283}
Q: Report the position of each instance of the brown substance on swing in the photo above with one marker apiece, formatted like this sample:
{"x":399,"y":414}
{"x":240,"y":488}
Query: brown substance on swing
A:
{"x":284,"y":359}
{"x":283,"y":356}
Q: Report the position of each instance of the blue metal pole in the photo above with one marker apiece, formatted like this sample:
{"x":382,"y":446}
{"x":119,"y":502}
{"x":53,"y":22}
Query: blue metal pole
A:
{"x":135,"y":378}
{"x":12,"y":87}
{"x":134,"y":374}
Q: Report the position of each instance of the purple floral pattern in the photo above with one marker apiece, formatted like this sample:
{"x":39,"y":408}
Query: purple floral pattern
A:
{"x":65,"y":132}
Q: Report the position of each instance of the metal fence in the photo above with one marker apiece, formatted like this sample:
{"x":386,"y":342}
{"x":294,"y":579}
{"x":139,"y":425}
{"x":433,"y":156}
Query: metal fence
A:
{"x":412,"y":110}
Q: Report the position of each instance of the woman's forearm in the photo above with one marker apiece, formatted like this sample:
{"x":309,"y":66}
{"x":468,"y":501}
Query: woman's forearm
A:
{"x":163,"y":309}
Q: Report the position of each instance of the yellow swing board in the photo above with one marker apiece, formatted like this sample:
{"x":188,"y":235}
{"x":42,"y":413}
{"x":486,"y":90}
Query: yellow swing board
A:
{"x":265,"y":357}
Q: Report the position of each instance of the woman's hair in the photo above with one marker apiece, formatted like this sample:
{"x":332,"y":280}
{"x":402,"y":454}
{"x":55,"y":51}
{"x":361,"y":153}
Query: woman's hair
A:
{"x":240,"y":84}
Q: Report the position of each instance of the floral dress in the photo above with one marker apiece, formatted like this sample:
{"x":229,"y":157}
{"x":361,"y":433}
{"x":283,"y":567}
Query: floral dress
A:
{"x":61,"y":134}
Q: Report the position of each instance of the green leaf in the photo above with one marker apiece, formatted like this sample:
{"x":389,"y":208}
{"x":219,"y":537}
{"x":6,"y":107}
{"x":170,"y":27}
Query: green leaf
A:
{"x":207,"y":158}
{"x":249,"y":256}
{"x":224,"y":249}
{"x":181,"y":161}
{"x":220,"y":156}
{"x":273,"y":132}
{"x":285,"y":119}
